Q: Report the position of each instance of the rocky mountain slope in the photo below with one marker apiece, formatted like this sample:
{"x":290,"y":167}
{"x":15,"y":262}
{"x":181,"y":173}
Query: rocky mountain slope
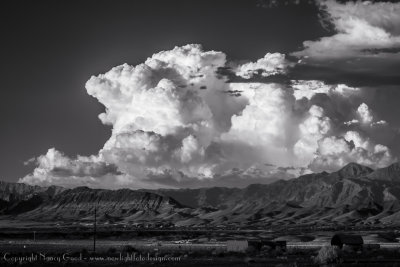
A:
{"x":18,"y":191}
{"x":354,"y":195}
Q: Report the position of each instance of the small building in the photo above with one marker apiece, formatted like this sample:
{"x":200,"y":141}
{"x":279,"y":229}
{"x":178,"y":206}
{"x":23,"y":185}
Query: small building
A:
{"x":353,"y":241}
{"x":264,"y":244}
{"x":237,"y":245}
{"x":371,"y":247}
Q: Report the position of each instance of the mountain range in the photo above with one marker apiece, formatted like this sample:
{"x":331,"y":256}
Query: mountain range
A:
{"x":355,"y":195}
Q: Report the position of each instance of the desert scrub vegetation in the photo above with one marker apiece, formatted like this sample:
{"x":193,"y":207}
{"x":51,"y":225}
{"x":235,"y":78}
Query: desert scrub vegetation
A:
{"x":328,"y":254}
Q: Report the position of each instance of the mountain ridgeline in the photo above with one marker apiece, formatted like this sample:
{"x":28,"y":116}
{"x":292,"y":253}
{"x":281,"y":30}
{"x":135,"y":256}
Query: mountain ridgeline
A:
{"x":354,"y":195}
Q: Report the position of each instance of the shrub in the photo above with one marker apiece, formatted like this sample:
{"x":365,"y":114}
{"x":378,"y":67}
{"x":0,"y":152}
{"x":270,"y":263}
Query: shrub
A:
{"x":129,"y":249}
{"x":328,"y":254}
{"x":112,"y":250}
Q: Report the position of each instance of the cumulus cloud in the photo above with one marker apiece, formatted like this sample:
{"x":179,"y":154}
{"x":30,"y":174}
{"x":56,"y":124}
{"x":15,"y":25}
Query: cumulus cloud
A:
{"x":257,"y":130}
{"x":309,"y":88}
{"x":365,"y":117}
{"x":176,"y":122}
{"x":353,"y":121}
{"x":379,"y":123}
{"x":362,"y":28}
{"x":315,"y":127}
{"x":270,"y":64}
{"x":334,"y":152}
{"x":365,"y":114}
{"x":55,"y":168}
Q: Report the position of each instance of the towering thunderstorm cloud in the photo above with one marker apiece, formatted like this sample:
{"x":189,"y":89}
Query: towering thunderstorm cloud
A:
{"x":178,"y":120}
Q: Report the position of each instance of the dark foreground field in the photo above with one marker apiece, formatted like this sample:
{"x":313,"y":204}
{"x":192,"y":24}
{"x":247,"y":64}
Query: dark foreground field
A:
{"x":74,"y":247}
{"x":292,"y":257}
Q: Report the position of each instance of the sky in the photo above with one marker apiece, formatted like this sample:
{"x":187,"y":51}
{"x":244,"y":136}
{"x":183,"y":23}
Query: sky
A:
{"x":149,"y":94}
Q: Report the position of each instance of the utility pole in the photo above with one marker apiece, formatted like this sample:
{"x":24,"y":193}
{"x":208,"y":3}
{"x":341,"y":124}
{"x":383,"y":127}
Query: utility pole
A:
{"x":34,"y":236}
{"x":94,"y":229}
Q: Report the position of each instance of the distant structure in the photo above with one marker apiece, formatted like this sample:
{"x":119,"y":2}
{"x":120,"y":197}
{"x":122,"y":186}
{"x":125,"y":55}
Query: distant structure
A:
{"x":237,"y":245}
{"x":264,"y":244}
{"x":371,"y":247}
{"x":352,"y":241}
{"x":257,"y":245}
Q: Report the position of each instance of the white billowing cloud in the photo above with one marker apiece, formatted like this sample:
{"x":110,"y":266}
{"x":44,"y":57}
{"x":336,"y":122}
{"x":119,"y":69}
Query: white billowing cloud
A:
{"x":151,"y":96}
{"x":336,"y":151}
{"x":333,"y":152}
{"x":359,"y":26}
{"x":54,"y":168}
{"x":265,"y":114}
{"x":365,"y":118}
{"x":259,"y":128}
{"x":351,"y":122}
{"x":161,"y":116}
{"x":355,"y":137}
{"x":308,"y":89}
{"x":177,"y":123}
{"x":379,"y":123}
{"x":270,"y":64}
{"x":190,"y":147}
{"x":365,"y":114}
{"x":315,"y":127}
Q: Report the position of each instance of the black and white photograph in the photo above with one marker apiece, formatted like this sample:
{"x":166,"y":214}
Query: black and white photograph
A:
{"x":200,"y":133}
